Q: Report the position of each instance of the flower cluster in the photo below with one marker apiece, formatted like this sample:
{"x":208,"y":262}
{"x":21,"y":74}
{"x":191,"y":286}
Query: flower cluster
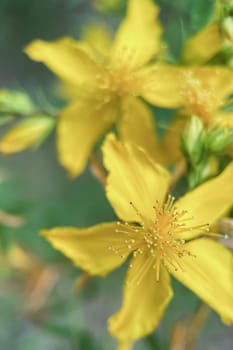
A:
{"x":115,"y":84}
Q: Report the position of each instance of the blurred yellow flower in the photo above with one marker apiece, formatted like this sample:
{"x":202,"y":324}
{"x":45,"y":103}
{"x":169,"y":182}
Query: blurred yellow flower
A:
{"x":160,"y":235}
{"x":203,"y":92}
{"x":103,"y":79}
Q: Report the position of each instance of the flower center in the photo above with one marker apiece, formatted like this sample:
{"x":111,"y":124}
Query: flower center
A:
{"x":119,"y":81}
{"x":159,"y":239}
{"x":200,"y":100}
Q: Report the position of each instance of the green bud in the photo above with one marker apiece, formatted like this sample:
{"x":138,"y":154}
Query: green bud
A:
{"x":230,"y":62}
{"x":193,"y":178}
{"x":217,"y":139}
{"x":227,"y":54}
{"x":227,"y":27}
{"x":30,"y":132}
{"x":227,"y":7}
{"x":192,"y":139}
{"x":210,"y":168}
{"x":203,"y":171}
{"x":15,"y":102}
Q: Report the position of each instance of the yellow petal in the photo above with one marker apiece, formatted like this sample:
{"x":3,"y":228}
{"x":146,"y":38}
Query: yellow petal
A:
{"x":170,"y":142}
{"x":137,"y":126}
{"x":224,"y":119}
{"x":144,"y":300}
{"x":133,"y":177}
{"x":209,"y":274}
{"x":79,"y":127}
{"x":67,"y":91}
{"x":138,"y":38}
{"x":125,"y":345}
{"x":65,"y":58}
{"x":204,"y":45}
{"x":209,"y":201}
{"x":20,"y":259}
{"x":162,"y":85}
{"x":26,"y":134}
{"x":201,"y":89}
{"x":91,"y":248}
{"x":99,"y":38}
{"x":214,"y":83}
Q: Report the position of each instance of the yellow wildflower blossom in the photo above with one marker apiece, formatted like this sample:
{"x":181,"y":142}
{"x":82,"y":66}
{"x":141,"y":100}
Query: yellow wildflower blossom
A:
{"x":203,"y":92}
{"x":161,"y":236}
{"x":104,"y":82}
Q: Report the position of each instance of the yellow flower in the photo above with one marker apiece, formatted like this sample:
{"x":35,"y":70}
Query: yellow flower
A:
{"x":104,"y":79}
{"x":160,"y":235}
{"x":203,"y":91}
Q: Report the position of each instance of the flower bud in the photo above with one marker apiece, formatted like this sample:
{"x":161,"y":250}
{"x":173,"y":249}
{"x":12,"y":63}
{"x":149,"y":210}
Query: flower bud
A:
{"x":217,"y":139}
{"x":28,"y":133}
{"x":227,"y":27}
{"x":15,"y":102}
{"x":210,"y":168}
{"x":203,"y":171}
{"x":192,"y":139}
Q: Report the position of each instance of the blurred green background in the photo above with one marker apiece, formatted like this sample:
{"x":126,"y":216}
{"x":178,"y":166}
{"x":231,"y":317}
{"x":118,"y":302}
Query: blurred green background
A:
{"x":32,"y":184}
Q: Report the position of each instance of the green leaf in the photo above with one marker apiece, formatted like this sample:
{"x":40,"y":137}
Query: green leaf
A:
{"x":201,"y":13}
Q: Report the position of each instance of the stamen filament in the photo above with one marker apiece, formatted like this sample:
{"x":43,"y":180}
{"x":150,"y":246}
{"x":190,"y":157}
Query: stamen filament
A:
{"x":158,"y":238}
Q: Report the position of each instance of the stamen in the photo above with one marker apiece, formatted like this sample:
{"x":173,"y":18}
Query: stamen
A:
{"x":138,"y":213}
{"x":157,"y":268}
{"x":200,"y":99}
{"x":125,"y":57}
{"x":158,"y":239}
{"x":219,"y":235}
{"x":140,"y":273}
{"x":119,"y":79}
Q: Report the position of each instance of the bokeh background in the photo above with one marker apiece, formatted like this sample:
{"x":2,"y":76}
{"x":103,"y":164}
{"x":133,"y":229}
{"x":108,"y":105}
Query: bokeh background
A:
{"x":39,"y":304}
